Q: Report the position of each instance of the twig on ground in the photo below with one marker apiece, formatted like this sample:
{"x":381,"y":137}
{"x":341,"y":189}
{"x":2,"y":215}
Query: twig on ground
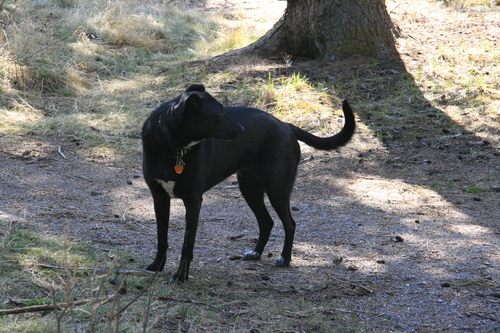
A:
{"x":60,"y":152}
{"x":173,"y":299}
{"x":140,"y":294}
{"x":121,"y":271}
{"x":368,"y":290}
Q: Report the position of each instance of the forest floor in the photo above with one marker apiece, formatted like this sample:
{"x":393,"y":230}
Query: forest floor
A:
{"x":402,"y":231}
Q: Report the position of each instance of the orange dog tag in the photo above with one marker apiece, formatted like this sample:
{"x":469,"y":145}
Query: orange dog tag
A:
{"x":179,"y":168}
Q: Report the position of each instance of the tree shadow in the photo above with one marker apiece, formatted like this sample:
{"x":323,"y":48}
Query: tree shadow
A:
{"x":417,"y":189}
{"x":418,"y":142}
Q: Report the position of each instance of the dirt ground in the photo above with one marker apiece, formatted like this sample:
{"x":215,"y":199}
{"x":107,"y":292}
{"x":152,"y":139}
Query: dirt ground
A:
{"x":388,"y":217}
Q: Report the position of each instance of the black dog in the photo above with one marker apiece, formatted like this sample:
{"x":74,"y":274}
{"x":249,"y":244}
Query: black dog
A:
{"x":192,"y":143}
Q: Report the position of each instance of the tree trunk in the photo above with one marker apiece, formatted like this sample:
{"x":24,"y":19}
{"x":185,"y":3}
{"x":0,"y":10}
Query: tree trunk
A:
{"x":329,"y":29}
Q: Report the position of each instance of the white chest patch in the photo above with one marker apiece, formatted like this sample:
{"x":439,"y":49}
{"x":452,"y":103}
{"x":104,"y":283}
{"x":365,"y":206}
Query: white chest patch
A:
{"x":167,"y":186}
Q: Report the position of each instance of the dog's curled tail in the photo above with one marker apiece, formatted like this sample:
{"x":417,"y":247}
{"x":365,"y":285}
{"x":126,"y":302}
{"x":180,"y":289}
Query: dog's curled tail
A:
{"x":331,"y":142}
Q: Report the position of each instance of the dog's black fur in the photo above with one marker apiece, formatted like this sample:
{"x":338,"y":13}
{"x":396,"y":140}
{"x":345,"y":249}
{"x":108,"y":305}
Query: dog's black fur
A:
{"x":213,"y":142}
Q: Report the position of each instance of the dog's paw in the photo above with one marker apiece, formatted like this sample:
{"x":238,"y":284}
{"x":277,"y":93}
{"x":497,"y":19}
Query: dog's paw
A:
{"x":251,"y":256}
{"x":178,"y":278}
{"x":154,"y":267}
{"x":282,"y":262}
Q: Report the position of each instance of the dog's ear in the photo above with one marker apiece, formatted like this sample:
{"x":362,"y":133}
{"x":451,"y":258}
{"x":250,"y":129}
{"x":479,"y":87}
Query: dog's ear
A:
{"x":175,"y":110}
{"x":196,"y":87}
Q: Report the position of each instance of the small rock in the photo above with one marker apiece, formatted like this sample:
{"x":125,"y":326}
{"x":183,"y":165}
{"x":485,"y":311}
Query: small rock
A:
{"x":114,"y":282}
{"x":235,"y":257}
{"x":486,"y":141}
{"x":477,"y":199}
{"x":129,"y":182}
{"x":295,"y":209}
{"x":446,"y":131}
{"x":265,"y":278}
{"x":237,"y":237}
{"x":352,"y":268}
{"x":445,"y":284}
{"x":397,"y":239}
{"x":495,"y":188}
{"x":122,"y":285}
{"x":482,"y":142}
{"x":380,"y":261}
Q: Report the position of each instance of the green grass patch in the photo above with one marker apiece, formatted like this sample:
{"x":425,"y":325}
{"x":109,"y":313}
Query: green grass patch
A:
{"x":474,"y":190}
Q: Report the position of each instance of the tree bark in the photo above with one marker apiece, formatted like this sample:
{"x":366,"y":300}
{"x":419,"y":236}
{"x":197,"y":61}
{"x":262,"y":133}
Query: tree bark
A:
{"x":329,"y":29}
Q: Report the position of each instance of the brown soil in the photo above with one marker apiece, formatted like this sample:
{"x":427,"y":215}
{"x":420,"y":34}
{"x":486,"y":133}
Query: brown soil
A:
{"x":387,"y":218}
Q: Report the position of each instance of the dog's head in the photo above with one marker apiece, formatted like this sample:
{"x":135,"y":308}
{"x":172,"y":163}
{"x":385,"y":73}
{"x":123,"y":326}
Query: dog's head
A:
{"x":196,"y":115}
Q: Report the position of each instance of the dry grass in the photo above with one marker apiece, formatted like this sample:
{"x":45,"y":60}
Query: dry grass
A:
{"x":57,"y":78}
{"x":296,"y":100}
{"x":57,"y":81}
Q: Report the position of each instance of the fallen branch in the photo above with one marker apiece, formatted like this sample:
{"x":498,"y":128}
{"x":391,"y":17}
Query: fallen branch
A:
{"x":39,"y":308}
{"x":52,"y":307}
{"x":121,"y":271}
{"x":173,"y":299}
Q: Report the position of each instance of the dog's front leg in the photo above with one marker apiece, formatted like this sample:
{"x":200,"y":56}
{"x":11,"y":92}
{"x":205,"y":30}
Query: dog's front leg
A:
{"x":193,"y":206}
{"x":162,"y":211}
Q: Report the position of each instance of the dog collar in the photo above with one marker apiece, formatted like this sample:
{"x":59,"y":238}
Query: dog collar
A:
{"x":180,"y":152}
{"x":179,"y":164}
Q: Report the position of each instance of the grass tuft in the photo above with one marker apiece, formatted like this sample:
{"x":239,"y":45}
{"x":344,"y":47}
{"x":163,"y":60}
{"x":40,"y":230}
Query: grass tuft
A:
{"x":93,"y":70}
{"x":294,"y":99}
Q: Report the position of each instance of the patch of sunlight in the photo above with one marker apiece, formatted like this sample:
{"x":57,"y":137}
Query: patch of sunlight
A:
{"x":312,"y":254}
{"x":103,"y":153}
{"x":384,"y":193}
{"x":121,"y":86}
{"x":472,"y":230}
{"x":13,"y":119}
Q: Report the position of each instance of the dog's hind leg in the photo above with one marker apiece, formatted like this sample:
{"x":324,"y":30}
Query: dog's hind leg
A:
{"x":252,"y":187}
{"x":279,"y":188}
{"x":281,"y":204}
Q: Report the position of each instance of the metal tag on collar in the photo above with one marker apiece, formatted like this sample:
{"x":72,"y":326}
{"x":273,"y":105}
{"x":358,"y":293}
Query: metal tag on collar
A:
{"x":179,"y":164}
